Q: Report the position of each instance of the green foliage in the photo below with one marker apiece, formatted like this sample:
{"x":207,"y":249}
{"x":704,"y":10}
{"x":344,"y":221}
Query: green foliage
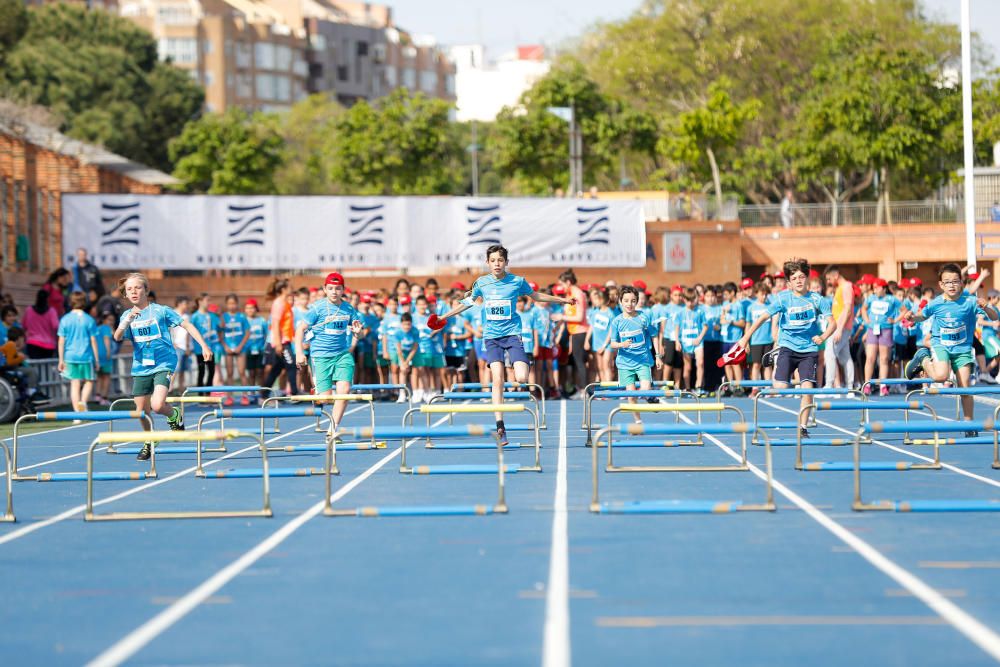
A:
{"x":100,"y":74}
{"x":400,"y":144}
{"x":309,"y":134}
{"x":13,"y":24}
{"x":230,"y":153}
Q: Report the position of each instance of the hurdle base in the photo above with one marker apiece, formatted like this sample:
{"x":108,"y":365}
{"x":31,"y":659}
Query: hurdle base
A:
{"x":257,"y":473}
{"x":82,"y":477}
{"x":679,"y":507}
{"x":472,"y":445}
{"x":734,"y":468}
{"x":137,"y":516}
{"x":872,"y":466}
{"x":676,"y":443}
{"x":417,"y":510}
{"x":920,"y":506}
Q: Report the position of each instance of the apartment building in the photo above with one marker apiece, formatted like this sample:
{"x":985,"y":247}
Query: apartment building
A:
{"x":242,"y":52}
{"x":484,"y":88}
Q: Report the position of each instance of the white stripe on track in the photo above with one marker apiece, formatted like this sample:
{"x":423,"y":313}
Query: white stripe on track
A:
{"x":556,"y":648}
{"x":62,"y":516}
{"x":129,"y":645}
{"x":981,"y":635}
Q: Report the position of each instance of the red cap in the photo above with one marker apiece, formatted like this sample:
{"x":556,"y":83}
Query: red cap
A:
{"x":334,"y":279}
{"x":639,"y":284}
{"x":746,"y":283}
{"x":313,"y":289}
{"x":404,"y":300}
{"x":881,"y":282}
{"x":677,"y":288}
{"x":347,"y":290}
{"x":916,"y":282}
{"x":905,"y":283}
{"x":252,"y":302}
{"x":813,"y":273}
{"x":432,"y":298}
{"x":867,"y":279}
{"x":532,"y":285}
{"x":558,"y":290}
{"x":857,"y":290}
{"x":779,"y":274}
{"x":458,"y":285}
{"x":213,"y":308}
{"x":764,"y":274}
{"x":366,"y":298}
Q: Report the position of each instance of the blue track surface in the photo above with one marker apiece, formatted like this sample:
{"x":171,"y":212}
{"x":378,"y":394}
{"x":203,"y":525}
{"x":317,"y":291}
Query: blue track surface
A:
{"x":811,"y":583}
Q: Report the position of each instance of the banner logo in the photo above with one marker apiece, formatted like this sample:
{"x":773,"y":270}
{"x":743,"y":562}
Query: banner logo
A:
{"x":483,"y":224}
{"x":120,"y":224}
{"x":365,"y":224}
{"x":593,"y":225}
{"x":246,"y":225}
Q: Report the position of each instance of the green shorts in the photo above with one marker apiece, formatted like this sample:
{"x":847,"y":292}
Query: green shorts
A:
{"x":79,"y":371}
{"x":393,"y":358}
{"x":382,"y":361}
{"x":627,"y":376}
{"x":107,"y":368}
{"x":421,"y":360}
{"x":142,"y":385}
{"x":956,"y":360}
{"x":328,"y":371}
{"x":435,"y":360}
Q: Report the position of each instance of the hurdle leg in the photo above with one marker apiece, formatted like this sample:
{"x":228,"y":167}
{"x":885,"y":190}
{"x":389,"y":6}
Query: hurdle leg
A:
{"x":501,"y":505}
{"x":8,"y":516}
{"x":595,"y":502}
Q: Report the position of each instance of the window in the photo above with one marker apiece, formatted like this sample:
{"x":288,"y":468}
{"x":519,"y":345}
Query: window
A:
{"x":206,"y":46}
{"x":243,"y":55}
{"x":317,"y":42}
{"x":174,"y":15}
{"x":265,"y":86}
{"x":264,"y":55}
{"x":182,"y":50}
{"x":283,"y":88}
{"x":362,"y":49}
{"x":390,"y":77}
{"x":342,"y":73}
{"x":449,"y":84}
{"x":208,"y":79}
{"x":283,"y":58}
{"x":409,"y":78}
{"x":244,"y":85}
{"x":428,"y":81}
{"x":379,"y":56}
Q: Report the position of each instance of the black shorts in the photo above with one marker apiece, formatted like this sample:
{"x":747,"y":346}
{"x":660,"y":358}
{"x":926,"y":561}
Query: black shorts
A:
{"x":901,"y":351}
{"x":757,"y":352}
{"x":790,"y":360}
{"x":454,"y":362}
{"x":672,"y":357}
{"x":255,"y":361}
{"x":978,"y":348}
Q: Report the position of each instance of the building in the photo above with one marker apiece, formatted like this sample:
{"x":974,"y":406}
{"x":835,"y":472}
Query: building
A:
{"x":243,"y":52}
{"x":482,"y":89}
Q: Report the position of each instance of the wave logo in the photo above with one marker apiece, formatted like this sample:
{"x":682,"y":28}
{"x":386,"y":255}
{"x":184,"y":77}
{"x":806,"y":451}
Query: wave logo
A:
{"x":246,"y":224}
{"x":593,"y":225}
{"x":366,"y":224}
{"x":483,"y":223}
{"x":120,"y":224}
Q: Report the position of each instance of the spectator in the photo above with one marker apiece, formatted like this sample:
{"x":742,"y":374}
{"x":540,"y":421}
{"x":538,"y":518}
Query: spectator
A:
{"x":787,"y":217}
{"x":110,"y":303}
{"x":87,"y":277}
{"x":40,"y":325}
{"x":55,"y":288}
{"x":995,"y":212}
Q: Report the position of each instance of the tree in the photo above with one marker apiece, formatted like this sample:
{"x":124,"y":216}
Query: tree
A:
{"x":398,"y":145}
{"x":100,"y":74}
{"x":309,"y":134}
{"x":230,"y":153}
{"x":704,"y":134}
{"x":13,"y":24}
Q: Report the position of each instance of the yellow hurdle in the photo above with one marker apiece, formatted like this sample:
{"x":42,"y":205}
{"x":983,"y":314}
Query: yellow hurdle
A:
{"x":194,"y":399}
{"x":474,"y":409}
{"x":672,"y":407}
{"x":164,"y":436}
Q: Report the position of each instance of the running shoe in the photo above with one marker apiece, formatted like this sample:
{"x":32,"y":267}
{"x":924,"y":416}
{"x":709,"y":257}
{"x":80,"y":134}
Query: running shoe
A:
{"x":972,"y":434}
{"x":884,"y":391}
{"x":229,"y":400}
{"x":803,"y":433}
{"x":175,"y":421}
{"x":915,"y":365}
{"x":145,"y":452}
{"x":502,"y":440}
{"x":244,"y":400}
{"x":867,"y":389}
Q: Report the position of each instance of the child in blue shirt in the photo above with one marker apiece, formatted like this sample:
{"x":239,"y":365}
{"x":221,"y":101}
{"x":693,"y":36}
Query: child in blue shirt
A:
{"x":235,"y":334}
{"x":105,"y":357}
{"x":256,"y":343}
{"x":712,"y":344}
{"x":78,"y":350}
{"x":732,"y":321}
{"x":879,"y":312}
{"x":632,"y":334}
{"x":209,"y":326}
{"x":406,"y":341}
{"x":599,"y":317}
{"x":762,"y":340}
{"x":691,"y":330}
{"x":154,"y":357}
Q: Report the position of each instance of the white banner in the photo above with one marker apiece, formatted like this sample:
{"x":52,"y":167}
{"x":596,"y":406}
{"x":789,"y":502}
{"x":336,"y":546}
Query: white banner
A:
{"x":269,"y":232}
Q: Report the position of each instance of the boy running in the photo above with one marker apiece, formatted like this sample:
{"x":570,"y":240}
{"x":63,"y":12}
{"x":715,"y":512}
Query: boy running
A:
{"x":632,"y":334}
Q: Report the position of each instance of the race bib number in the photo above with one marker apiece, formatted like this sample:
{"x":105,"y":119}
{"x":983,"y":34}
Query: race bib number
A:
{"x":801,"y":316}
{"x":497,"y":309}
{"x":335,"y":325}
{"x":144,"y":331}
{"x":601,"y":321}
{"x":952,"y":335}
{"x":636,"y":340}
{"x":234,"y":330}
{"x":689,"y":334}
{"x":256,"y":330}
{"x":879,"y":308}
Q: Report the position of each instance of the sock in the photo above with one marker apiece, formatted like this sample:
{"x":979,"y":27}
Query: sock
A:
{"x":500,"y":425}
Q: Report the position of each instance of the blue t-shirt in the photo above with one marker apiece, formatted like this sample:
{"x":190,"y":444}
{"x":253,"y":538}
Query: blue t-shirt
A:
{"x":456,"y":347}
{"x":880,"y":309}
{"x":799,"y":320}
{"x":258,"y":336}
{"x":713,"y":317}
{"x":371,"y":323}
{"x":657,"y":315}
{"x":639,"y":332}
{"x":691,"y":321}
{"x":671,"y":320}
{"x":499,"y":301}
{"x":763,"y":335}
{"x":152,"y":347}
{"x":528,"y":330}
{"x":105,"y":344}
{"x":208,"y":325}
{"x":78,"y":328}
{"x":954,"y":322}
{"x":543,"y":324}
{"x":600,"y":325}
{"x":331,"y":327}
{"x":423,"y":333}
{"x":388,"y":328}
{"x":734,"y":313}
{"x":406,"y":340}
{"x":234,"y":327}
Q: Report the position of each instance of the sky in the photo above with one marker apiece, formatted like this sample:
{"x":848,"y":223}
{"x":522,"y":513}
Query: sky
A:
{"x":503,"y":24}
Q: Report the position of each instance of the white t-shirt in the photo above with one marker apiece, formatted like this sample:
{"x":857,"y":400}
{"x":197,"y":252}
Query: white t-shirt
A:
{"x":179,"y":335}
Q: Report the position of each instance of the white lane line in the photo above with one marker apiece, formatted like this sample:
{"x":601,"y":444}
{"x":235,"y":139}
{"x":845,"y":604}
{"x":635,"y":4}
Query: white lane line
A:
{"x":556,"y":649}
{"x":976,"y":631}
{"x":38,"y":525}
{"x":129,"y":645}
{"x":948,"y":466}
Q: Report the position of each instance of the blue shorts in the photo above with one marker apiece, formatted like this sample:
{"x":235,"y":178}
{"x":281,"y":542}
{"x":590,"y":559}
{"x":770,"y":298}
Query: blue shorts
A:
{"x":479,"y":348}
{"x":512,"y":345}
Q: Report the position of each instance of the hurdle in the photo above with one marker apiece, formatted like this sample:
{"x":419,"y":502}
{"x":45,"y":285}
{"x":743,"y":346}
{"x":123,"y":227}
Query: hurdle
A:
{"x":957,"y":392}
{"x":174,"y":436}
{"x":448,"y":409}
{"x":771,"y":392}
{"x":91,"y":416}
{"x":594,"y":387}
{"x":8,"y":515}
{"x":310,"y":398}
{"x":405,"y":433}
{"x":450,"y":396}
{"x":680,"y":506}
{"x":527,"y":387}
{"x":894,"y":382}
{"x":979,"y":440}
{"x":263,"y":414}
{"x":617,"y":392}
{"x":369,"y":388}
{"x":749,"y":384}
{"x":927,"y":426}
{"x":171,"y":400}
{"x":863,"y":406}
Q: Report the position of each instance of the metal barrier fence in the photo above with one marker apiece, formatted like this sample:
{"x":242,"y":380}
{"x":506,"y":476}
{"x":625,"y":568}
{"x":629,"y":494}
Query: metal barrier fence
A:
{"x":51,"y":381}
{"x":850,"y":213}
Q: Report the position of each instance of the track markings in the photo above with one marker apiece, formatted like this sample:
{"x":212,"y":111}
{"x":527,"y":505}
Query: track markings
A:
{"x":556,"y":647}
{"x":732,"y":621}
